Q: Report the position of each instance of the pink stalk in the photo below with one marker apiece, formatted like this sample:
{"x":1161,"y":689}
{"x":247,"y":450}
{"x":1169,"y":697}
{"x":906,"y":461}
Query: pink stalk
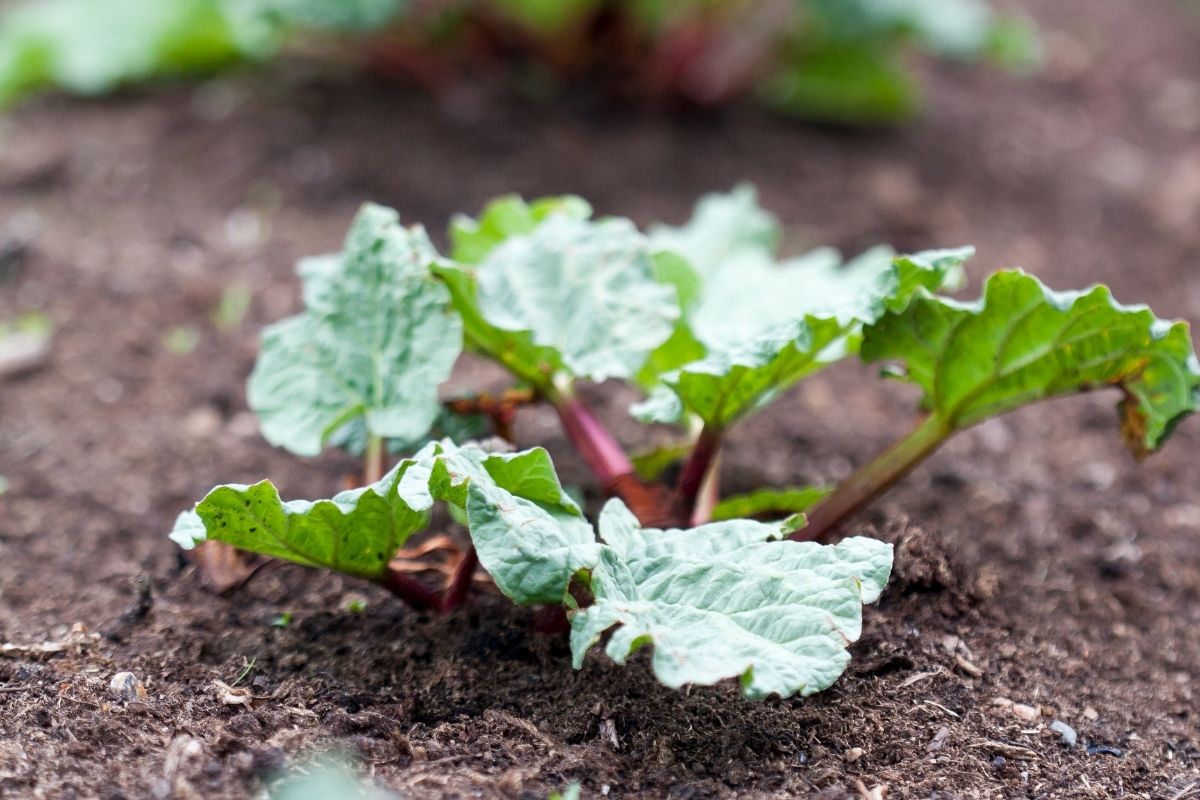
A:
{"x":697,"y":482}
{"x":456,"y":591}
{"x":598,"y":447}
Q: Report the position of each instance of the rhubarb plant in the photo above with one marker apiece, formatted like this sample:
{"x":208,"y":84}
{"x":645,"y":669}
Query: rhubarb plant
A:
{"x":712,"y":324}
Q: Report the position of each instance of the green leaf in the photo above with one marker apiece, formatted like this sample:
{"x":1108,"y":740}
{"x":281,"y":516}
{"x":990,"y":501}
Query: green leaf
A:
{"x":764,"y":325}
{"x":377,"y":337}
{"x":843,"y":82}
{"x":651,"y":464}
{"x":725,"y":601}
{"x":587,"y":291}
{"x":530,"y":552}
{"x":726,"y":385}
{"x":514,"y":350}
{"x":442,"y":471}
{"x":769,"y":501}
{"x":357,"y":532}
{"x":722,"y":225}
{"x":1022,"y":342}
{"x":471,"y":240}
{"x":93,"y":46}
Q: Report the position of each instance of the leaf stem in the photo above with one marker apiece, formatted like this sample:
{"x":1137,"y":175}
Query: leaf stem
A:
{"x":698,"y":478}
{"x":459,"y":586}
{"x":872,"y":480}
{"x":410,"y":590}
{"x":373,"y":459}
{"x":710,"y":494}
{"x":595,"y":443}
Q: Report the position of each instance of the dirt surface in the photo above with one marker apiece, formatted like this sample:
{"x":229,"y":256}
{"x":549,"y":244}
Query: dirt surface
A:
{"x":1038,"y":565}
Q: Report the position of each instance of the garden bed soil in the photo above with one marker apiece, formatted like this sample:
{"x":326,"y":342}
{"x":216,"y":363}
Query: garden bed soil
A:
{"x":1037,"y":565}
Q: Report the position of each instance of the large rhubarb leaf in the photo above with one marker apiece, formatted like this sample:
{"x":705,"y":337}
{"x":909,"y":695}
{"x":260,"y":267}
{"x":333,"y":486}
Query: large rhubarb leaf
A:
{"x":357,"y":532}
{"x":1022,"y":342}
{"x":377,"y":337}
{"x":588,"y":291}
{"x":726,"y":601}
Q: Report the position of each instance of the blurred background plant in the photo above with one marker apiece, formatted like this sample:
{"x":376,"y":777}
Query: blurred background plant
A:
{"x":831,"y":60}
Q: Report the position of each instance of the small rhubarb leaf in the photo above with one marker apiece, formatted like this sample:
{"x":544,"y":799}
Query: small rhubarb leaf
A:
{"x":586,"y":290}
{"x":727,"y":601}
{"x":1022,"y":342}
{"x":443,"y":470}
{"x":780,"y":502}
{"x":728,"y":384}
{"x":739,"y":375}
{"x":472,"y":239}
{"x":757,"y":325}
{"x":531,"y":552}
{"x":377,"y":337}
{"x":357,"y":532}
{"x":189,"y":530}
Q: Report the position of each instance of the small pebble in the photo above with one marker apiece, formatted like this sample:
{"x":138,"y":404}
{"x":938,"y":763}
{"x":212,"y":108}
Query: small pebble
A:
{"x":126,"y":687}
{"x":1104,"y":750}
{"x":1064,"y":730}
{"x":1027,"y":713}
{"x":853,"y":754}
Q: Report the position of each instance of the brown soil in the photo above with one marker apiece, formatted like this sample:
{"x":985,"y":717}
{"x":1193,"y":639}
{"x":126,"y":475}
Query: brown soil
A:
{"x":1037,"y":565}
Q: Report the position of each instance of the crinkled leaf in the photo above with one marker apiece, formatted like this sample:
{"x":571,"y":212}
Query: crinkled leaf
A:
{"x":472,"y":239}
{"x":443,"y":470}
{"x":357,"y":532}
{"x":725,"y":385}
{"x":769,"y":501}
{"x":724,"y":601}
{"x":1022,"y":342}
{"x":377,"y":337}
{"x":722,"y":225}
{"x":531,"y":552}
{"x":586,"y":290}
{"x":758,"y":325}
{"x":515,"y":350}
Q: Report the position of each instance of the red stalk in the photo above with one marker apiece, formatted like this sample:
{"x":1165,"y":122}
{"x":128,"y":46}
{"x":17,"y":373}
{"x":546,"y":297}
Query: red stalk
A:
{"x":697,"y":472}
{"x":598,"y":447}
{"x":459,"y":587}
{"x":410,"y":590}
